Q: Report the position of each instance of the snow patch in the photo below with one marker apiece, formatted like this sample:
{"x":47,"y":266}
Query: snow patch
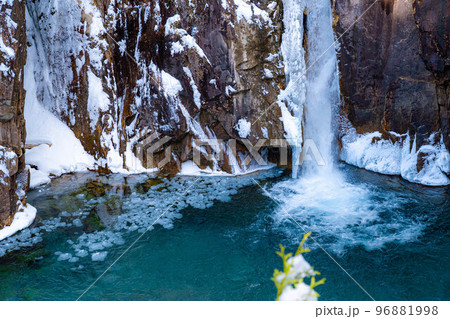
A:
{"x":247,"y":11}
{"x":370,"y":152}
{"x":197,"y":95}
{"x":62,"y":151}
{"x":381,"y":157}
{"x":186,"y":40}
{"x":243,"y":127}
{"x":98,"y":100}
{"x":22,"y":219}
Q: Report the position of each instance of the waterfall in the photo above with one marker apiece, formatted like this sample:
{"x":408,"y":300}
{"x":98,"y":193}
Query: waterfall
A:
{"x":338,"y":209}
{"x":312,"y":91}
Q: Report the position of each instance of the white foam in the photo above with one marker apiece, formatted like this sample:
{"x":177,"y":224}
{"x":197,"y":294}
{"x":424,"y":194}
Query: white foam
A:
{"x":341,"y":214}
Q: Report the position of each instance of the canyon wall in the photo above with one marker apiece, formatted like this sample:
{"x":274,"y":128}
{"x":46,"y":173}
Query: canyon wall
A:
{"x":122,"y":74}
{"x":394,"y":66}
{"x":13,"y":173}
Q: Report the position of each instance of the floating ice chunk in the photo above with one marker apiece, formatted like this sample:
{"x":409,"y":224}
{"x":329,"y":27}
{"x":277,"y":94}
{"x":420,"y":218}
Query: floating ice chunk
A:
{"x":64,"y":214}
{"x":64,"y":256}
{"x":74,"y":259}
{"x":77,"y":268}
{"x":82,"y":253}
{"x":96,"y":246}
{"x":99,"y":256}
{"x":77,"y":223}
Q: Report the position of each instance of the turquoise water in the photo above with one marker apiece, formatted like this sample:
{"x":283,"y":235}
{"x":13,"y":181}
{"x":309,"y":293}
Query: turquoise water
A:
{"x":219,"y":242}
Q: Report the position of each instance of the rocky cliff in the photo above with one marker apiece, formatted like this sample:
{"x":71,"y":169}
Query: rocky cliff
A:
{"x":122,"y":74}
{"x":13,"y":173}
{"x":394,"y":66}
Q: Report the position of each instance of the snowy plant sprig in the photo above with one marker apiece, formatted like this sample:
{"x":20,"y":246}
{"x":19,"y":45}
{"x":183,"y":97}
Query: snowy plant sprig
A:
{"x":290,"y":282}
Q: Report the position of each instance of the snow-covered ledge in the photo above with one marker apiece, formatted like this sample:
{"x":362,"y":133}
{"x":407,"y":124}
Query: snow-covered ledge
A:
{"x":372,"y":153}
{"x":23,"y":219}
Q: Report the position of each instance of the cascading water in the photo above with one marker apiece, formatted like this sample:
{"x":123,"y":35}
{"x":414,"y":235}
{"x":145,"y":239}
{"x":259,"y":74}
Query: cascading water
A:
{"x":320,"y":196}
{"x":312,"y":91}
{"x":322,"y":86}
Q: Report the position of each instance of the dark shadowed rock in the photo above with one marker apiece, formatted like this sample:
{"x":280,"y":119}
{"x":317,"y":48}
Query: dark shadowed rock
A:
{"x":394,"y":66}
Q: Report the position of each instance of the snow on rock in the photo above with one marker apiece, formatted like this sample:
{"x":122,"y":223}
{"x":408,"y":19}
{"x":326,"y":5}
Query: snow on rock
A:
{"x":5,"y":156}
{"x":265,"y":132}
{"x":247,"y":10}
{"x":189,"y":168}
{"x":97,"y":99}
{"x":436,"y":165}
{"x":243,"y":127}
{"x":197,"y":95}
{"x":381,"y":157}
{"x":58,"y":151}
{"x":186,"y":40}
{"x":22,"y":219}
{"x":38,"y":178}
{"x":370,"y":152}
{"x":7,"y":30}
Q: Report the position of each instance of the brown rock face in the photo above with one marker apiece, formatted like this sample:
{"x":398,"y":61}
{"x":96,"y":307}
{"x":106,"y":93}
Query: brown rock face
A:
{"x":226,"y":68}
{"x":394,"y":66}
{"x":182,"y":69}
{"x":13,"y":174}
{"x":433,"y":22}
